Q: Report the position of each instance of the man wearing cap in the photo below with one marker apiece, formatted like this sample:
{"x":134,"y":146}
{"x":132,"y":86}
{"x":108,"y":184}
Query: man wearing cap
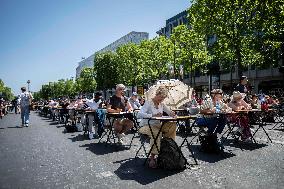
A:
{"x":241,"y":87}
{"x":119,"y":103}
{"x":134,"y":102}
{"x":26,"y":98}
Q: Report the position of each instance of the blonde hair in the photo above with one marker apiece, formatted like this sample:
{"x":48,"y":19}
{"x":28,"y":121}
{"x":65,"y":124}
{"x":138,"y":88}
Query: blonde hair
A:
{"x":162,"y":91}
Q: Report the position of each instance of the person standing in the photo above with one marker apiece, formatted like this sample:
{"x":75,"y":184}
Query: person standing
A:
{"x":242,"y":86}
{"x":26,"y":98}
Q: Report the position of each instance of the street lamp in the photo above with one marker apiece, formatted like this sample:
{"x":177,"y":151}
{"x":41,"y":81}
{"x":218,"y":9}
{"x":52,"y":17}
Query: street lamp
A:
{"x":28,"y":82}
{"x":181,"y":72}
{"x":171,"y":70}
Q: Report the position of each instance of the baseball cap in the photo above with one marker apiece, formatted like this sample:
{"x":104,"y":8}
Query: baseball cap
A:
{"x":134,"y":94}
{"x":243,"y":77}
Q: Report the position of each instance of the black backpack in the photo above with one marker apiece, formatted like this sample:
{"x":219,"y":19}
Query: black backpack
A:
{"x":71,"y":128}
{"x":210,"y":144}
{"x":170,"y":156}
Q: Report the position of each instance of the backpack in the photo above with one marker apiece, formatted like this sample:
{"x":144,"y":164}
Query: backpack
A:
{"x":170,"y":156}
{"x":209,"y":144}
{"x":71,"y":128}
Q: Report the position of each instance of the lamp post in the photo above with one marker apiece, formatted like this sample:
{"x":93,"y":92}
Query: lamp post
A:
{"x":181,"y":72}
{"x":171,"y":70}
{"x":28,"y":82}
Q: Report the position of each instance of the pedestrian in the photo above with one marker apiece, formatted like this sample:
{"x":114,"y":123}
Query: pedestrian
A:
{"x":26,"y":98}
{"x":242,"y":86}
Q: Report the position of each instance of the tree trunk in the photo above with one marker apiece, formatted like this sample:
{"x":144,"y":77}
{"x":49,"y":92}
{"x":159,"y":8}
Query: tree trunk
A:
{"x":239,"y":61}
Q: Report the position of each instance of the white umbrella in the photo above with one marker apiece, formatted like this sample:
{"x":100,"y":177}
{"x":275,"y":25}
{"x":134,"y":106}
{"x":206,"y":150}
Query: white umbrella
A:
{"x":179,"y":93}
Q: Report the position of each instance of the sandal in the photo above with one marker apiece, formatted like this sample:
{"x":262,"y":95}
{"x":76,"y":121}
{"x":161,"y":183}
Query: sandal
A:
{"x":153,"y":163}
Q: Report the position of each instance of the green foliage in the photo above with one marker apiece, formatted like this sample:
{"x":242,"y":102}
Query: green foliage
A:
{"x":5,"y":91}
{"x":61,"y":88}
{"x":248,"y":32}
{"x":191,"y":48}
{"x":106,"y":70}
{"x":86,"y":81}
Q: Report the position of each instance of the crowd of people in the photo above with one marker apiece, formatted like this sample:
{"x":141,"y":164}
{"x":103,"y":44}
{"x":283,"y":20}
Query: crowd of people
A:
{"x":208,"y":110}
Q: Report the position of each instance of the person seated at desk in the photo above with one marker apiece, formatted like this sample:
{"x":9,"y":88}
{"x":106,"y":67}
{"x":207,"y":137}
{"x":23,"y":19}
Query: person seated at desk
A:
{"x":117,"y":103}
{"x":155,"y":108}
{"x":93,"y":105}
{"x":237,"y":103}
{"x":208,"y":108}
{"x":255,"y":104}
{"x":53,"y":104}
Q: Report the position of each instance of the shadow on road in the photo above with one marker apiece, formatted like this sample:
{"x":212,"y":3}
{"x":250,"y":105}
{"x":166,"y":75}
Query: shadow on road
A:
{"x":16,"y":127}
{"x":80,"y":137}
{"x":133,"y":169}
{"x":103,"y":148}
{"x":210,"y":158}
{"x":245,"y":146}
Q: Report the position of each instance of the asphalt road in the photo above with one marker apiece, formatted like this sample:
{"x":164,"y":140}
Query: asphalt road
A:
{"x":44,"y":156}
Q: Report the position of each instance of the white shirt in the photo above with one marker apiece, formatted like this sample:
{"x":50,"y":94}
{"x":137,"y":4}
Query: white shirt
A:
{"x":149,"y":109}
{"x":93,"y":105}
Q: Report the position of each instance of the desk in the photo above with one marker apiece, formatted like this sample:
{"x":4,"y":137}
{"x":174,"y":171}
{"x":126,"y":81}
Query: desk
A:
{"x":244,"y":113}
{"x":111,"y":117}
{"x":163,"y":120}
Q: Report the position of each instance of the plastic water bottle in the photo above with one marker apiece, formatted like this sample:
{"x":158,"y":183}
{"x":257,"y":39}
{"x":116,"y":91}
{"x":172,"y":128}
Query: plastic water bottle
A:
{"x":218,"y":109}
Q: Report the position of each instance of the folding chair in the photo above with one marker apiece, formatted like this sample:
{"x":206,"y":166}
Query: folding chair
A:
{"x":279,"y":118}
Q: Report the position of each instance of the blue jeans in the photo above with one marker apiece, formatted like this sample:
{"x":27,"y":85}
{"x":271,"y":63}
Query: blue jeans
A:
{"x":25,"y":114}
{"x":99,"y":119}
{"x":214,"y":124}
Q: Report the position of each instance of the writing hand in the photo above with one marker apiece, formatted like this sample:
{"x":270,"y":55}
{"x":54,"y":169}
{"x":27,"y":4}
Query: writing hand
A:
{"x":158,"y":115}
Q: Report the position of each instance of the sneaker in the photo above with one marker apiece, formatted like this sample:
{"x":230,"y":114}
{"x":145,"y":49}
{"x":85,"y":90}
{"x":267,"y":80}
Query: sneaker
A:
{"x":91,"y":136}
{"x":248,"y":140}
{"x":27,"y":125}
{"x":120,"y":141}
{"x":120,"y":138}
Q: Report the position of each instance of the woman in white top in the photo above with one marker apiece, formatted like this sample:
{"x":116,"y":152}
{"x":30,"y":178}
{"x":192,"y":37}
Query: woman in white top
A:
{"x":155,"y":108}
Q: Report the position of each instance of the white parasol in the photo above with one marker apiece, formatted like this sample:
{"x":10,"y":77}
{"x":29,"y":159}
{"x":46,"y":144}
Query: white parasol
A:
{"x":179,"y":93}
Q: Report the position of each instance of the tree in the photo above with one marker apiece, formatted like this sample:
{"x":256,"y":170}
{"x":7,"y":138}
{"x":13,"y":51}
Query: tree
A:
{"x":192,"y":49}
{"x":105,"y":70}
{"x":5,"y":91}
{"x":242,"y":28}
{"x":87,"y":81}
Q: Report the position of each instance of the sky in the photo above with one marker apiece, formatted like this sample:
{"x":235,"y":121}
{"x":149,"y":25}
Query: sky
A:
{"x":43,"y":40}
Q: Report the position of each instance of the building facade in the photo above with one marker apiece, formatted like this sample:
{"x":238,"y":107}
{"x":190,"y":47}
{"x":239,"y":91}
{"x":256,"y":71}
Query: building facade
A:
{"x":173,"y":22}
{"x":132,"y":37}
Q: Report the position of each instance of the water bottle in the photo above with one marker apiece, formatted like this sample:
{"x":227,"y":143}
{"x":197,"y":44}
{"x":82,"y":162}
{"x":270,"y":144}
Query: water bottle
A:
{"x":218,"y":109}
